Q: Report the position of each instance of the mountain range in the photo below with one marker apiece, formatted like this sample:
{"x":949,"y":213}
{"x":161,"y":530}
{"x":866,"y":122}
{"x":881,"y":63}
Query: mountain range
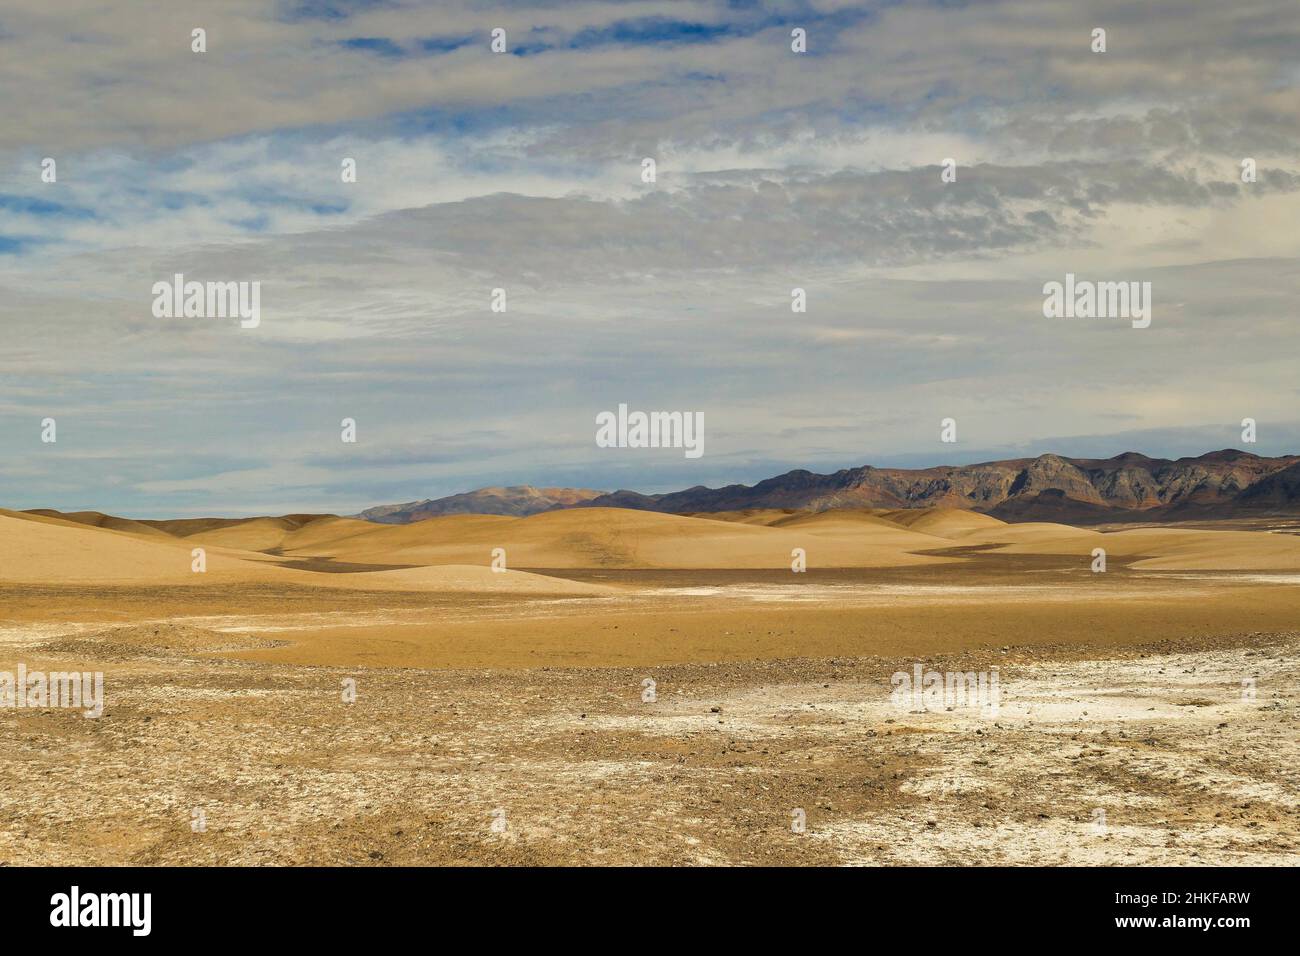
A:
{"x":517,"y":501}
{"x":1128,"y":487}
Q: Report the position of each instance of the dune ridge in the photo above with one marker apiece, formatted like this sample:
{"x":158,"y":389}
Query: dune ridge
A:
{"x":46,"y":546}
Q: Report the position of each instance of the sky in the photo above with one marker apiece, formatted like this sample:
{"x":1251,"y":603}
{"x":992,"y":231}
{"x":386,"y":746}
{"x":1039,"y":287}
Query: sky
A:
{"x":523,"y":170}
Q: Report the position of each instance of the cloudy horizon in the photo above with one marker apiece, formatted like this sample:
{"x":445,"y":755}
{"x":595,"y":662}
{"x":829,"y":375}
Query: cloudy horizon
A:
{"x":523,"y":170}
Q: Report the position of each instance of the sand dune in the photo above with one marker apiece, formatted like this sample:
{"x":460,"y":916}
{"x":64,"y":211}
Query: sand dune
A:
{"x":348,"y":539}
{"x":50,"y":547}
{"x":1036,"y":537}
{"x":1167,"y":549}
{"x":1185,"y":550}
{"x":461,"y":577}
{"x":62,"y":552}
{"x":251,"y":534}
{"x":845,"y":517}
{"x":39,"y":550}
{"x":260,"y":534}
{"x":324,"y":530}
{"x":761,"y":516}
{"x":1154,"y":548}
{"x":97,"y":519}
{"x":942,"y":522}
{"x":855,"y":531}
{"x":542,"y":678}
{"x":615,"y":538}
{"x":184,"y":527}
{"x":257,"y":534}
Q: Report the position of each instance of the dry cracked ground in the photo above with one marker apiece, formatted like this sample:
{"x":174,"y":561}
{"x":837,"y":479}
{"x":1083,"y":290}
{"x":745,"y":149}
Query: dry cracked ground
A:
{"x":213,"y":750}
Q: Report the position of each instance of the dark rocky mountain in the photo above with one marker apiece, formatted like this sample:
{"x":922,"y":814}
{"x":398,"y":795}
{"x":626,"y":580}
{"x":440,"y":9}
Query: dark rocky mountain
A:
{"x":519,"y":500}
{"x":1128,"y":487}
{"x":1278,"y":492}
{"x":1050,"y":487}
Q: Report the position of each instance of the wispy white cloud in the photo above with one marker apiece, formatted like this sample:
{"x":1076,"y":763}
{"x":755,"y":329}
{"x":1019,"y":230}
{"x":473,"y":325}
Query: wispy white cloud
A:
{"x":775,"y":170}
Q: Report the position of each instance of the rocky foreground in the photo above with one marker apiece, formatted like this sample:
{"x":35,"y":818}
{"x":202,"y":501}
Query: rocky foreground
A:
{"x":1142,"y":756}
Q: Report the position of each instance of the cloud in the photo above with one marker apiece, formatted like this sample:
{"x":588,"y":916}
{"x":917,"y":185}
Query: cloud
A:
{"x":774,"y":171}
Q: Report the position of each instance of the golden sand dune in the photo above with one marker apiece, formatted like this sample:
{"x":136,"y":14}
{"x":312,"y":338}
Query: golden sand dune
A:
{"x":49,"y":547}
{"x":463,"y":577}
{"x":93,"y":519}
{"x":256,"y":534}
{"x":345,"y":539}
{"x":1166,"y":549}
{"x":1036,"y":537}
{"x":1156,"y":548}
{"x":841,"y":518}
{"x":942,"y":522}
{"x":62,"y":552}
{"x":328,"y":528}
{"x":240,"y":534}
{"x":852,"y":530}
{"x":617,"y":538}
{"x":260,"y":534}
{"x":184,"y":527}
{"x":40,"y":550}
{"x":763,"y":516}
{"x":1172,"y":549}
{"x":251,"y":534}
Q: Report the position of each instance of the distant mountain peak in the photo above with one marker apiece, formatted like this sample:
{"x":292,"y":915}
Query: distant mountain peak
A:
{"x":1227,"y":454}
{"x":1129,"y":487}
{"x":514,"y":500}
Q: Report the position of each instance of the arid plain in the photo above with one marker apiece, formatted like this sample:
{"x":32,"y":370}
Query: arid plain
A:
{"x":328,"y":690}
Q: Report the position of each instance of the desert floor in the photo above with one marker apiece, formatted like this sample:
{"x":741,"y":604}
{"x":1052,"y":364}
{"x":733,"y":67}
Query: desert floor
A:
{"x":1147,"y":715}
